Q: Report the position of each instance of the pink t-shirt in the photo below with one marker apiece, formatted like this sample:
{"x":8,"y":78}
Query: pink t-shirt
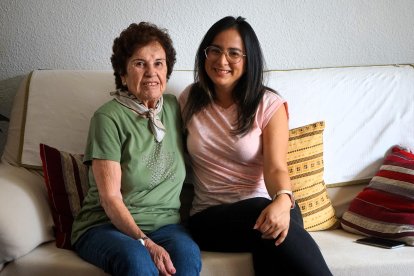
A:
{"x":227,"y":168}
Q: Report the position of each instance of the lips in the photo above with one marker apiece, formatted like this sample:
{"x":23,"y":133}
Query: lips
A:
{"x":150,"y":83}
{"x":222,"y":71}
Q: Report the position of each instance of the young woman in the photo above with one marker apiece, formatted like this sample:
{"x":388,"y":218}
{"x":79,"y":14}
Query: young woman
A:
{"x":237,"y":138}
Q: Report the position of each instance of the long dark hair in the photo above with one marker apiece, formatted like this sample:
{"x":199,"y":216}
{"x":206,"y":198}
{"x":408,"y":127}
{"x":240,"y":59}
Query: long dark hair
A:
{"x":249,"y":89}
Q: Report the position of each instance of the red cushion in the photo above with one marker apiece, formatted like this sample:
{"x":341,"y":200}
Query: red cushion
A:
{"x":66,"y":179}
{"x":385,"y":208}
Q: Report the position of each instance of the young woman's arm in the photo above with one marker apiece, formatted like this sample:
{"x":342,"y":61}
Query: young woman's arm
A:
{"x":273,"y":222}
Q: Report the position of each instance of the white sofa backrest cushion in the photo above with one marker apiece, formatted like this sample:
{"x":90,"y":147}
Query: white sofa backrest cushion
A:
{"x":54,"y":107}
{"x":60,"y":104}
{"x":366,"y":111}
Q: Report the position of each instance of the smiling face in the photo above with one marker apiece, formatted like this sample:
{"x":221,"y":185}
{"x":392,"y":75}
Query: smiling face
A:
{"x":223,"y":74}
{"x":146,"y":73}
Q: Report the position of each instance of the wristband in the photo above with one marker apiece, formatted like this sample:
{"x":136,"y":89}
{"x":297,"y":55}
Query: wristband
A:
{"x":287,"y":192}
{"x":142,"y":240}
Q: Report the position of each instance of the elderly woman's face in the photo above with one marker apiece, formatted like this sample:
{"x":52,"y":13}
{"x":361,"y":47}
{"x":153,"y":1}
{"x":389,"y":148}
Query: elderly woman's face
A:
{"x":146,"y":75}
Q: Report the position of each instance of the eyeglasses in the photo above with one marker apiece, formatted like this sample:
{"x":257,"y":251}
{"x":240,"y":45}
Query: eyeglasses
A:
{"x":232,"y":55}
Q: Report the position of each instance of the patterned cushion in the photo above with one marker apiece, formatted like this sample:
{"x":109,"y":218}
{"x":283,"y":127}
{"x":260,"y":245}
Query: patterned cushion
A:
{"x":305,"y":164}
{"x":66,"y":179}
{"x":385,"y":208}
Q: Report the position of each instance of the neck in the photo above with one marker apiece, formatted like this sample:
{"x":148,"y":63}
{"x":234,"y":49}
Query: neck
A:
{"x":149,"y":103}
{"x":224,"y":98}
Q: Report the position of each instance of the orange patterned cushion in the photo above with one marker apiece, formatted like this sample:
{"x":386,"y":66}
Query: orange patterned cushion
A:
{"x":305,"y":164}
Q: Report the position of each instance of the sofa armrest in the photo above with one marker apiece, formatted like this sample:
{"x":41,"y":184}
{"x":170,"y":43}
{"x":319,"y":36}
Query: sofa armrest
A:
{"x":25,"y":218}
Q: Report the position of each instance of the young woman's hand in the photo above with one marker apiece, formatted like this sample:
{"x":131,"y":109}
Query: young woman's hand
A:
{"x":274,"y":220}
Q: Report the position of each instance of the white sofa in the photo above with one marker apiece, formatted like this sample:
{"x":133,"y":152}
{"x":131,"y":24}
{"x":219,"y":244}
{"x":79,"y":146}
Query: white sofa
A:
{"x":366,"y":111}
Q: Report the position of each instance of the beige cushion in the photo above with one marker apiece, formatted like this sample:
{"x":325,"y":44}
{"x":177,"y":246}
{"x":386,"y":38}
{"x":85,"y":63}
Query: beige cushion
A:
{"x":48,"y":260}
{"x":354,"y":141}
{"x":59,"y":105}
{"x":228,"y":264}
{"x":366,"y":111}
{"x":26,"y":221}
{"x":342,"y":196}
{"x":345,"y":257}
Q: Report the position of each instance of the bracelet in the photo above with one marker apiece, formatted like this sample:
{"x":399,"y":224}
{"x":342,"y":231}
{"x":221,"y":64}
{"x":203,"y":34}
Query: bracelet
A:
{"x":287,"y":192}
{"x":142,"y":240}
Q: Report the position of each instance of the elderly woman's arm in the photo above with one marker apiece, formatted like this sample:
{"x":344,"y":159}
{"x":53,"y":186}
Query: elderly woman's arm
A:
{"x":108,"y":180}
{"x":107,"y":175}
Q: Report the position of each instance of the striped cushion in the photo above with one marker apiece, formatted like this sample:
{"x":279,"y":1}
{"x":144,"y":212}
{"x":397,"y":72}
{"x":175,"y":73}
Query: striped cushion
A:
{"x":305,"y":164}
{"x":66,"y":179}
{"x":385,"y":208}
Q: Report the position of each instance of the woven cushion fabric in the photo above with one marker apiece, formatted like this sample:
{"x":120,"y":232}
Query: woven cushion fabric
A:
{"x":305,"y":165}
{"x":385,"y":208}
{"x":66,"y":179}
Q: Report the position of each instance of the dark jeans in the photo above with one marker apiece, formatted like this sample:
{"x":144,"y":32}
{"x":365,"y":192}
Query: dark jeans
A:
{"x":229,"y":228}
{"x":119,"y":254}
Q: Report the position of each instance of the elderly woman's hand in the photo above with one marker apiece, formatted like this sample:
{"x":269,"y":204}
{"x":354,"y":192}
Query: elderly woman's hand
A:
{"x":161,"y":258}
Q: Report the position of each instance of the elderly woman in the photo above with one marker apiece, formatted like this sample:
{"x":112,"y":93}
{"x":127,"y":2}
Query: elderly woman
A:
{"x":129,"y":222}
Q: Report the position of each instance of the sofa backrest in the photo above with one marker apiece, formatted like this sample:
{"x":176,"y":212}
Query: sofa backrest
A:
{"x":366,"y":111}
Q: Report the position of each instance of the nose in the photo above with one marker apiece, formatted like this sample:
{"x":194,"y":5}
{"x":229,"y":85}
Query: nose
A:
{"x":222,"y":59}
{"x":150,"y":70}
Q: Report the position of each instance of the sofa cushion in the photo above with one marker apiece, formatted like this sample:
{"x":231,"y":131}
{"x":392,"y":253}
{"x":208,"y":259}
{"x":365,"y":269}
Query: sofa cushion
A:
{"x":366,"y":111}
{"x":47,"y":260}
{"x":25,"y":220}
{"x":385,"y":208}
{"x":305,"y":165}
{"x":354,"y":141}
{"x":66,"y":179}
{"x":345,"y":257}
{"x":54,"y":107}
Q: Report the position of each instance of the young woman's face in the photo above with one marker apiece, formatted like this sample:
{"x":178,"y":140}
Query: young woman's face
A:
{"x":146,"y":75}
{"x":221,"y":69}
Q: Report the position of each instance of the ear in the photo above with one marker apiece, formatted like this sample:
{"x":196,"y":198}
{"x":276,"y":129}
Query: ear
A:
{"x":123,"y":79}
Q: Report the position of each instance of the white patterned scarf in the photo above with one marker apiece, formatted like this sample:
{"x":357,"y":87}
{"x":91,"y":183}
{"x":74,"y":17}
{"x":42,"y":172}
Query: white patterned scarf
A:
{"x":130,"y":101}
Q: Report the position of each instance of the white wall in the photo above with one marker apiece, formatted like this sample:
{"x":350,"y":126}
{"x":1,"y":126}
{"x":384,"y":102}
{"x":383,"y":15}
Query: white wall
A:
{"x":78,"y":34}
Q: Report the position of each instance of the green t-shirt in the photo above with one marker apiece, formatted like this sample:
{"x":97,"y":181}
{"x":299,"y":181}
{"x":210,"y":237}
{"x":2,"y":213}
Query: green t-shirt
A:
{"x":152,"y":172}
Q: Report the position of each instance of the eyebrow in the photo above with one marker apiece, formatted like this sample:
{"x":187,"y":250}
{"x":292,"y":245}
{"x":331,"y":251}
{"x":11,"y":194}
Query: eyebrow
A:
{"x":140,"y":59}
{"x":231,"y":48}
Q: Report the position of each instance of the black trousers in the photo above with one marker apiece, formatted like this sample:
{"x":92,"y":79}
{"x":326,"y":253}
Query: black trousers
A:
{"x":229,"y":228}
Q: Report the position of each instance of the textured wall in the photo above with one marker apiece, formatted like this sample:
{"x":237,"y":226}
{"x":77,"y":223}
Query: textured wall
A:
{"x":78,"y":34}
